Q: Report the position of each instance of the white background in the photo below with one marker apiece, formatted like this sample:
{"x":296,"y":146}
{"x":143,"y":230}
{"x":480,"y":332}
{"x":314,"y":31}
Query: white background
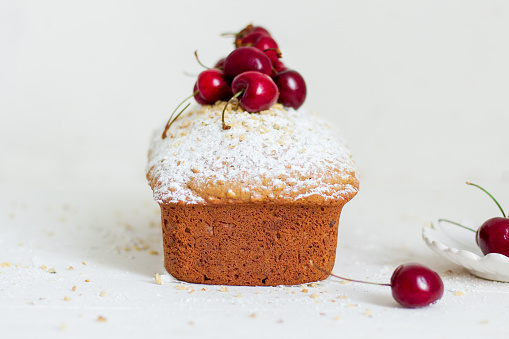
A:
{"x":418,"y":88}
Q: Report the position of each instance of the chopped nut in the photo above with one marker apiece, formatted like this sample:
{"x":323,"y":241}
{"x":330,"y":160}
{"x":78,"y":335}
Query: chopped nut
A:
{"x":158,"y":279}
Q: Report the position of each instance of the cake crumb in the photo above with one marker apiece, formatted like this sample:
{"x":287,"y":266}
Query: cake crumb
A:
{"x":70,"y":268}
{"x":5,"y":264}
{"x":484,"y":321}
{"x":304,"y":290}
{"x":252,"y":315}
{"x":352,"y":305}
{"x":67,"y":298}
{"x":180,"y":287}
{"x":459,"y":293}
{"x":368,"y":312}
{"x":312,"y":285}
{"x":73,"y":288}
{"x":102,"y":294}
{"x":152,"y":252}
{"x":43,"y":267}
{"x":341,"y":297}
{"x":101,"y":319}
{"x":239,"y":295}
{"x":204,"y":289}
{"x":63,"y":326}
{"x":224,"y":289}
{"x":158,"y":279}
{"x":315,"y":295}
{"x":52,"y":270}
{"x":83,"y":263}
{"x":337,"y":318}
{"x":87,"y":280}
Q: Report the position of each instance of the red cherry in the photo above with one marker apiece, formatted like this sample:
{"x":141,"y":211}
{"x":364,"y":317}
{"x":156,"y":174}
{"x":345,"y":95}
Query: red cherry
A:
{"x":292,"y":88}
{"x":213,"y":86}
{"x":415,"y":285}
{"x":279,"y":66}
{"x":245,"y":59}
{"x":249,"y":35}
{"x":220,"y":64}
{"x":198,"y":97}
{"x":259,"y":91}
{"x":269,"y":46}
{"x":493,"y":236}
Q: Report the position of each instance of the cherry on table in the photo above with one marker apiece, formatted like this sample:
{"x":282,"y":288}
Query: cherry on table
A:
{"x":269,"y":46}
{"x":413,"y":285}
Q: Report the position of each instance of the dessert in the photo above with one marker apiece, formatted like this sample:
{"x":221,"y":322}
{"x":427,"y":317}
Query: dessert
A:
{"x":250,"y":190}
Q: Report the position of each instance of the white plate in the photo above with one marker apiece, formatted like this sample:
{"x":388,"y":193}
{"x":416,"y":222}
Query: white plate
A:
{"x":458,"y":245}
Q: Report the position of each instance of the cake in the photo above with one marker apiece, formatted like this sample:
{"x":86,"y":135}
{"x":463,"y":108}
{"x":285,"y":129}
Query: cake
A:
{"x":251,"y":205}
{"x":250,"y":184}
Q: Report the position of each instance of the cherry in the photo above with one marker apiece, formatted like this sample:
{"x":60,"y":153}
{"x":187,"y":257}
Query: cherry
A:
{"x":245,"y":59}
{"x":220,"y":64}
{"x":213,"y":86}
{"x":198,"y":97}
{"x":292,"y":88}
{"x":259,"y":92}
{"x":413,"y":285}
{"x":249,"y":35}
{"x":269,"y":46}
{"x":493,"y":235}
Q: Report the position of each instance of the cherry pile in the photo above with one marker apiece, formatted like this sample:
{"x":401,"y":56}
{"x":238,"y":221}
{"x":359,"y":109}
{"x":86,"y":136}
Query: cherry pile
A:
{"x":493,"y":235}
{"x":413,"y":285}
{"x":251,"y":74}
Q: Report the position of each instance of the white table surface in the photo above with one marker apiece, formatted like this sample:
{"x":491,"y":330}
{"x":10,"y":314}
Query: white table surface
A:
{"x":110,"y":236}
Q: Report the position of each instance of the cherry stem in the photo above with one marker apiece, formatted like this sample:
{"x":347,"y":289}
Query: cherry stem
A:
{"x":457,"y":224}
{"x":198,"y":59}
{"x":225,"y":126}
{"x":353,"y":280}
{"x":170,"y":120}
{"x":278,"y":52}
{"x":482,"y":189}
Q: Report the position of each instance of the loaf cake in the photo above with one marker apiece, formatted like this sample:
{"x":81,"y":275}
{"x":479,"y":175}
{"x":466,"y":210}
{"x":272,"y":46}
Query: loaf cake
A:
{"x":252,"y":204}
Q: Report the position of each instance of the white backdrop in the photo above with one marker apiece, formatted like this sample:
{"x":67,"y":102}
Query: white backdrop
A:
{"x":418,"y":88}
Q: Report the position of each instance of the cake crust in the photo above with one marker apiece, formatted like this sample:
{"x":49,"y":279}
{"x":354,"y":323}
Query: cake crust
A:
{"x":257,"y":245}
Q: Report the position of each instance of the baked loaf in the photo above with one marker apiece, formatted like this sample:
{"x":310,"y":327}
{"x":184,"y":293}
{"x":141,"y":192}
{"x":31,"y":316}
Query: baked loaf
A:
{"x":251,"y":205}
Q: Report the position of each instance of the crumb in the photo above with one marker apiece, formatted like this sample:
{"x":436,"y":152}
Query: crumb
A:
{"x":224,"y":289}
{"x":459,"y":293}
{"x":43,"y":267}
{"x":152,"y":252}
{"x":180,"y":287}
{"x":304,"y":290}
{"x":63,"y":327}
{"x":352,"y":305}
{"x":337,"y":318}
{"x":102,"y":294}
{"x":192,"y":290}
{"x":19,"y":265}
{"x":315,"y":295}
{"x":342,"y":297}
{"x":191,"y":323}
{"x":203,"y":289}
{"x":312,"y":285}
{"x":5,"y":264}
{"x":239,"y":295}
{"x":280,"y":321}
{"x":83,"y":263}
{"x":101,"y":319}
{"x":70,"y":268}
{"x":333,"y":301}
{"x":484,"y":321}
{"x":158,"y":279}
{"x":368,"y":312}
{"x":252,"y":315}
{"x":52,"y":270}
{"x":67,"y":298}
{"x":73,"y":288}
{"x":87,"y":280}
